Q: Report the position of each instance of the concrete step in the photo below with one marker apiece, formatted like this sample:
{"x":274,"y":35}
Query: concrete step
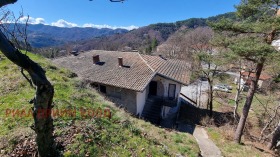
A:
{"x":152,"y":109}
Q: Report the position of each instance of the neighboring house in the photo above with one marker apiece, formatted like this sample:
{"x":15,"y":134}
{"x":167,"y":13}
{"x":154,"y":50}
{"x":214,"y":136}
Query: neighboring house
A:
{"x":131,"y":78}
{"x":263,"y":83}
{"x":196,"y":94}
{"x":75,"y":53}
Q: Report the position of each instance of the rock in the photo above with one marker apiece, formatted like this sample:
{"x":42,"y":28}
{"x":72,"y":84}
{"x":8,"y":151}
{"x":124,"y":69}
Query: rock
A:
{"x":276,"y":43}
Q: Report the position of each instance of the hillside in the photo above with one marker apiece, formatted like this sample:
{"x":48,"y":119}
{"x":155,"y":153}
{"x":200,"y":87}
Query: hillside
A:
{"x":40,"y":35}
{"x":122,"y":135}
{"x":141,"y":39}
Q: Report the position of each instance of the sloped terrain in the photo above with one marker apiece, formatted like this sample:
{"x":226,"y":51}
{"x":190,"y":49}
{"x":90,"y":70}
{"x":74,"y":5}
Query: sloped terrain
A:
{"x":78,"y":135}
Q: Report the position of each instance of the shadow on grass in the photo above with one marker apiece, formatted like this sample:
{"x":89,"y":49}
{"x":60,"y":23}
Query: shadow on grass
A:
{"x":192,"y":115}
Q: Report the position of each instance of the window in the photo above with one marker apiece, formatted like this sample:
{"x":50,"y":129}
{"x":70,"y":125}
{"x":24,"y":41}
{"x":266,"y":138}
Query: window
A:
{"x":117,"y":92}
{"x":171,"y":91}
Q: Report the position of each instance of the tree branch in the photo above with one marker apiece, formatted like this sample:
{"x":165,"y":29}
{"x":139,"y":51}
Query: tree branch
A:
{"x":36,"y":72}
{"x":268,"y":124}
{"x":29,"y":81}
{"x":6,"y":2}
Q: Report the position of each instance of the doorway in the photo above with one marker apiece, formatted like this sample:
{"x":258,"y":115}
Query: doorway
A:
{"x":102,"y":89}
{"x":153,"y":88}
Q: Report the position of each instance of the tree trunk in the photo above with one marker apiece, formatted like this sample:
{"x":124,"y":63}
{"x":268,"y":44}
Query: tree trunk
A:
{"x":210,"y":97}
{"x":211,"y":101}
{"x":275,"y":137}
{"x":43,"y":99}
{"x":239,"y":90}
{"x":236,"y":100}
{"x":247,"y":106}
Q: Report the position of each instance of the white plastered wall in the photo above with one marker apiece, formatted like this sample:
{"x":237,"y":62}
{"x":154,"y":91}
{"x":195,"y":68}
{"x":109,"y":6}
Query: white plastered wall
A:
{"x":141,"y":100}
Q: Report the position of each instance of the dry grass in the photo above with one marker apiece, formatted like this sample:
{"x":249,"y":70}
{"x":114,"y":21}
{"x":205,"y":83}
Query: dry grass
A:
{"x":223,"y":136}
{"x":223,"y":139}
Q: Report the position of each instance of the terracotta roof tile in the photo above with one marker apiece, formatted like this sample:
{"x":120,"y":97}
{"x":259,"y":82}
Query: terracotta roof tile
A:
{"x":175,"y":69}
{"x":136,"y":76}
{"x":262,"y":77}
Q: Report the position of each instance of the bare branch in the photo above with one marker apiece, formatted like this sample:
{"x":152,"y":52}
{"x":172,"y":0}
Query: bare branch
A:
{"x":268,"y":124}
{"x":6,"y":2}
{"x":117,"y":0}
{"x":29,"y":80}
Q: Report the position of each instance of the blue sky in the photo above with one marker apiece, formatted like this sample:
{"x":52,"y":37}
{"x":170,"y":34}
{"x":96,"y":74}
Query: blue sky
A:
{"x":103,"y":13}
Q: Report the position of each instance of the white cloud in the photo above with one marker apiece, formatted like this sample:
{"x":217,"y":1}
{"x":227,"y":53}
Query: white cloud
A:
{"x":63,"y":23}
{"x":110,"y":27}
{"x":32,"y":20}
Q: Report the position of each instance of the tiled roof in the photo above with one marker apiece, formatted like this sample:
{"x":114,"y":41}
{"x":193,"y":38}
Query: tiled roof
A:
{"x":174,"y":69}
{"x":252,"y":74}
{"x":137,"y":72}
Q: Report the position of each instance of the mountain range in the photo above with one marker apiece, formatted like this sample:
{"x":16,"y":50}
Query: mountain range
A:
{"x":41,"y":36}
{"x":143,"y":38}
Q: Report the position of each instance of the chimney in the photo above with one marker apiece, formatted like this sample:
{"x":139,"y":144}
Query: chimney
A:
{"x":120,"y":59}
{"x":95,"y":59}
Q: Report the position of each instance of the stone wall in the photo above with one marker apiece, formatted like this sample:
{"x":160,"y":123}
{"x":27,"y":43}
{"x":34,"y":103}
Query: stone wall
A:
{"x":123,"y":97}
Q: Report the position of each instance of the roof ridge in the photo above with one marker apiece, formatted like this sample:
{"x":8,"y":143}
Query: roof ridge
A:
{"x":146,"y":62}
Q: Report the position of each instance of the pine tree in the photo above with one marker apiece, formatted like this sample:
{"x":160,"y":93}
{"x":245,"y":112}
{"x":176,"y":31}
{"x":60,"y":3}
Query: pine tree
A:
{"x":250,"y":38}
{"x":154,"y":44}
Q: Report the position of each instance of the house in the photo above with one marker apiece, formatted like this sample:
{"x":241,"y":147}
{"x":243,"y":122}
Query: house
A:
{"x":134,"y":80}
{"x":196,"y":94}
{"x":263,"y":83}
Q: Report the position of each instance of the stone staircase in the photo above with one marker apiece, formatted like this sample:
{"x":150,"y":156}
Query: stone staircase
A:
{"x":152,"y":110}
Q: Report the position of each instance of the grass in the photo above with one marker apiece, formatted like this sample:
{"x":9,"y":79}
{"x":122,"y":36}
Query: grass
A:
{"x":122,"y":135}
{"x":230,"y":148}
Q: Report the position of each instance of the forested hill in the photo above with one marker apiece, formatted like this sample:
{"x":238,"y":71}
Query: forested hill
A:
{"x":168,"y":28}
{"x":144,"y":38}
{"x":40,"y":35}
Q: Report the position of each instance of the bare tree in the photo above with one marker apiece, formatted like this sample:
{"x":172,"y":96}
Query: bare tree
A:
{"x":197,"y":43}
{"x":42,"y":102}
{"x":271,"y":129}
{"x":174,"y":47}
{"x":275,"y":137}
{"x":195,"y":47}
